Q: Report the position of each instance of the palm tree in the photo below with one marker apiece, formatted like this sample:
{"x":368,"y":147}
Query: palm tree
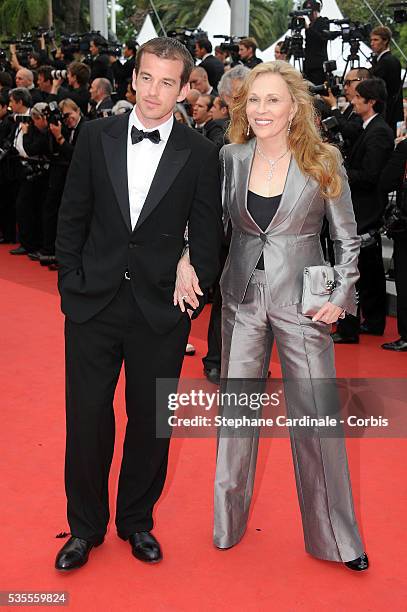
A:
{"x":18,"y":16}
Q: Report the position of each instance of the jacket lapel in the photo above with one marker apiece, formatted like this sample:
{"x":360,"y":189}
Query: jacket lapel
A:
{"x":173,"y":159}
{"x":114,"y":143}
{"x":294,"y":185}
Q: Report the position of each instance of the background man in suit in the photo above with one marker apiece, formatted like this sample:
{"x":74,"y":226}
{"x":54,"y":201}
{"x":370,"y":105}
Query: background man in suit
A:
{"x":100,"y":97}
{"x":123,"y":72}
{"x":369,"y":155}
{"x":135,"y":182}
{"x":213,"y":66}
{"x":388,"y":68}
{"x":199,"y":81}
{"x":315,"y":52}
{"x":247,"y":52}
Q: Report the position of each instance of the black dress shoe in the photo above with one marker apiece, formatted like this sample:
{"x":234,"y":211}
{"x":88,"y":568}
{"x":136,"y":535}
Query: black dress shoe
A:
{"x":399,"y":345}
{"x":358,"y":565}
{"x":213,"y":375}
{"x":18,"y":251}
{"x":144,"y":546}
{"x":339,"y":339}
{"x":365,"y":329}
{"x":74,"y":554}
{"x":34,"y":256}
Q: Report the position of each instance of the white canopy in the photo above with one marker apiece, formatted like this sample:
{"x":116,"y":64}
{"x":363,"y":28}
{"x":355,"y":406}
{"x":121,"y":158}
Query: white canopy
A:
{"x":147,"y":31}
{"x":336,"y":50}
{"x":216,"y":21}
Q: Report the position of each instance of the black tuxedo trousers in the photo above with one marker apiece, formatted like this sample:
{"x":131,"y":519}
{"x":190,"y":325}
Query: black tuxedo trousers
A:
{"x":95,"y":351}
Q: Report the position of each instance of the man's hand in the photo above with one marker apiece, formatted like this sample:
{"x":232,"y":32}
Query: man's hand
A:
{"x":24,"y":127}
{"x":328,"y":313}
{"x":330,"y":100}
{"x":56,"y":84}
{"x":56,"y":130}
{"x":186,"y":285}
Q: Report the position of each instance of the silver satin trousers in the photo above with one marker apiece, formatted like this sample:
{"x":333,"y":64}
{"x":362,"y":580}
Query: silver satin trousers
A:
{"x":320,"y":462}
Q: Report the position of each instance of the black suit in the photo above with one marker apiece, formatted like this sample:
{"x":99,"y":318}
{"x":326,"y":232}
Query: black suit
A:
{"x":106,"y":104}
{"x":350,"y":125}
{"x":316,"y":50}
{"x":110,"y":319}
{"x":122,"y":73}
{"x":214,"y":69}
{"x":388,"y":68}
{"x":369,"y":155}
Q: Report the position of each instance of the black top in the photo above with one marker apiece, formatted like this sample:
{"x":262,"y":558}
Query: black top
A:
{"x":262,"y":210}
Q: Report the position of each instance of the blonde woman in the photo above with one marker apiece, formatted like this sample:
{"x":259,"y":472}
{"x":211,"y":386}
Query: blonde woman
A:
{"x":279,"y":181}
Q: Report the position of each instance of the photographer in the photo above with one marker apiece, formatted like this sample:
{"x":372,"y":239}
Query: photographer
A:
{"x":45,"y":83}
{"x":100,"y":100}
{"x":100,"y":64}
{"x":214,"y":68}
{"x":315,"y":52}
{"x":25,"y":78}
{"x":394,"y":178}
{"x":369,"y":155}
{"x":350,"y":123}
{"x":78,"y":85}
{"x":247,"y":52}
{"x":388,"y":68}
{"x":34,"y":180}
{"x":123,"y":72}
{"x":7,"y":212}
{"x":65,"y":127}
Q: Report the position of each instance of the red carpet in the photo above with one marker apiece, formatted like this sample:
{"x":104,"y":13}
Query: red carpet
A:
{"x":269,"y":570}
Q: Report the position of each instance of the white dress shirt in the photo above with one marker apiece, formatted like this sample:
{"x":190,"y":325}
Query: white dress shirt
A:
{"x":18,"y":138}
{"x":142,"y":162}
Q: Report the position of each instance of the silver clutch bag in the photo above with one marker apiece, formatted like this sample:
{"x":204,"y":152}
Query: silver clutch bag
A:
{"x":318,"y":284}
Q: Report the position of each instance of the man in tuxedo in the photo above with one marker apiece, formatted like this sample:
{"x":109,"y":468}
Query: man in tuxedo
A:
{"x":214,"y":67}
{"x":135,"y":182}
{"x":388,"y":68}
{"x":350,"y":123}
{"x":369,"y":155}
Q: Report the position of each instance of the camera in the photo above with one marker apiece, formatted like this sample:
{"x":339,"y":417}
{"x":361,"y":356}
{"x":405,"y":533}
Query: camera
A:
{"x":59,"y":74}
{"x":230,"y":44}
{"x":297,"y":19}
{"x":332,"y":82}
{"x":53,"y":114}
{"x":350,"y":31}
{"x":400,"y":11}
{"x":332,"y":131}
{"x":22,"y":119}
{"x":188,"y":37}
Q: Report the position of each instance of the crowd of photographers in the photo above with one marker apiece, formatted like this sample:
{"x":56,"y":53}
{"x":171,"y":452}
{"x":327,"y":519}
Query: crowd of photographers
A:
{"x":46,"y":97}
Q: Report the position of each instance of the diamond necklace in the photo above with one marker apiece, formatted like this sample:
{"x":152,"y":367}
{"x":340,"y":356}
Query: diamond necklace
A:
{"x":270,"y":161}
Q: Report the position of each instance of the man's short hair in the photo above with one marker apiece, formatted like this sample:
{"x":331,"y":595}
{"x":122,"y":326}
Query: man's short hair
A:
{"x":209,"y":100}
{"x":46,"y":72}
{"x":363,"y":73}
{"x":38,"y":110}
{"x":21,"y":94}
{"x":249,"y":43}
{"x":373,"y":89}
{"x":80,"y":71}
{"x":167,"y":48}
{"x":222,"y":102}
{"x":99,"y":41}
{"x":105,"y":85}
{"x":201,"y":71}
{"x":383,"y":31}
{"x":237,"y":73}
{"x":6,"y":79}
{"x":132,"y":44}
{"x":204,"y":43}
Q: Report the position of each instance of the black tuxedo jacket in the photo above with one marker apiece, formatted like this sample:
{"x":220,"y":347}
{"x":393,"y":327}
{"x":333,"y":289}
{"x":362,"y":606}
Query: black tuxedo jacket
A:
{"x":95,"y":242}
{"x":214,"y":68}
{"x":369,"y":155}
{"x":388,"y":68}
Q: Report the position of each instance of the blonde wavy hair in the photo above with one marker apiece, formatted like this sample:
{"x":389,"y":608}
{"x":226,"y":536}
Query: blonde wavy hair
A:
{"x":318,"y":159}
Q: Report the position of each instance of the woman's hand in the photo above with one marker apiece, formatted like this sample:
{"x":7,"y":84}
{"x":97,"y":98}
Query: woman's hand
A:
{"x":186,"y":285}
{"x":328,"y":313}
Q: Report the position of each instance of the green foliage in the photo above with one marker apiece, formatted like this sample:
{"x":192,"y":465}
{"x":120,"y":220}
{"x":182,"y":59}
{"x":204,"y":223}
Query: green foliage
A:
{"x":18,"y":16}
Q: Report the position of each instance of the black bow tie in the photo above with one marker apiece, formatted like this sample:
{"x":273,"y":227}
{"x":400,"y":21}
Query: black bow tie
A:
{"x":138,"y":135}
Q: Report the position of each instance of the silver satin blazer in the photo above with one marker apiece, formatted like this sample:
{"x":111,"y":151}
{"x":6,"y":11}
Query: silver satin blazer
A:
{"x":291,"y":241}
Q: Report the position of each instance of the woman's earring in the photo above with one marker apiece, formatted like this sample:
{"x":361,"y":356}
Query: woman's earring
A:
{"x":289,"y":126}
{"x":248,"y":129}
